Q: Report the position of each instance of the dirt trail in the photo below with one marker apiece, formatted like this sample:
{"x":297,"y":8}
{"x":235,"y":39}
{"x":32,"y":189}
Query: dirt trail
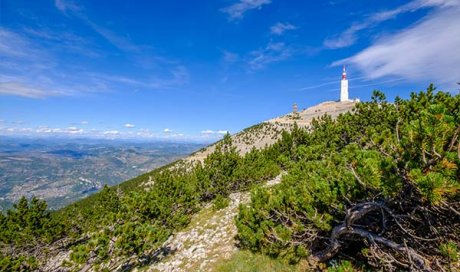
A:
{"x":209,"y":237}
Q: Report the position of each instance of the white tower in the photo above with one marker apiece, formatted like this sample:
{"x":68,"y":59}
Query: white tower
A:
{"x":344,"y":86}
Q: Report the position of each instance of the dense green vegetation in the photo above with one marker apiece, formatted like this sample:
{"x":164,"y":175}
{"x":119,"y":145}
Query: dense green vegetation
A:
{"x":27,"y":227}
{"x":127,"y":224}
{"x":377,"y":187}
{"x":380,"y":184}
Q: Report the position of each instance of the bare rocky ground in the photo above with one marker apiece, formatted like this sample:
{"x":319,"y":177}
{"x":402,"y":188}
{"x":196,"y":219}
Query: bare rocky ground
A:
{"x":268,"y":132}
{"x":209,"y":238}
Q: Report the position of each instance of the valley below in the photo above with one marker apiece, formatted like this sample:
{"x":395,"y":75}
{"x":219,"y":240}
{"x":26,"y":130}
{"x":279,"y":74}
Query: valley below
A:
{"x":63,"y":171}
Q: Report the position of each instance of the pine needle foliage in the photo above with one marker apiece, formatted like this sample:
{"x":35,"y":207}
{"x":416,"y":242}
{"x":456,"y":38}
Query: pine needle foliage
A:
{"x":381,"y":184}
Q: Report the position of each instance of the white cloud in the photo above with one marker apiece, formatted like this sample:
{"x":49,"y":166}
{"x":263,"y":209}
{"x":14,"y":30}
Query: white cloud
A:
{"x":237,"y":10}
{"x":73,"y":130}
{"x":214,"y":133}
{"x":58,"y":131}
{"x":426,"y":51}
{"x":273,"y":52}
{"x":111,"y":132}
{"x":128,"y":125}
{"x":279,"y":28}
{"x":44,"y":129}
{"x":167,"y":130}
{"x":350,"y":35}
{"x":84,"y":122}
{"x":18,"y":130}
{"x":208,"y":131}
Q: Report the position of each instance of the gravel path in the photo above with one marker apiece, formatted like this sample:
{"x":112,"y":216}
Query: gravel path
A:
{"x":209,"y":238}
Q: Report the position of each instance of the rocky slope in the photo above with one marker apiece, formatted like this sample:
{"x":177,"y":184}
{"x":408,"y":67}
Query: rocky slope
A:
{"x":268,"y":132}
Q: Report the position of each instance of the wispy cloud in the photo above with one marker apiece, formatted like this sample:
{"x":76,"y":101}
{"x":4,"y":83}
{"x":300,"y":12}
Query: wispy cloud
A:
{"x":170,"y":77}
{"x":120,"y":42}
{"x":69,"y":8}
{"x":66,"y":5}
{"x":62,"y":41}
{"x":316,"y":86}
{"x":32,"y":66}
{"x":272,"y":52}
{"x":14,"y":46}
{"x":279,"y":28}
{"x":29,"y":68}
{"x":335,"y":81}
{"x":425,"y":51}
{"x":350,"y":35}
{"x":229,"y":57}
{"x":18,"y":89}
{"x":172,"y":72}
{"x":237,"y":10}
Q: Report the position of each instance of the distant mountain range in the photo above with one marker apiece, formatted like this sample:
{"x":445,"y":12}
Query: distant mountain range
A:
{"x":63,"y":170}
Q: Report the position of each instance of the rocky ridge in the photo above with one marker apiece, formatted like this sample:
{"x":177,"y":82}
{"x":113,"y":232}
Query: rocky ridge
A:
{"x":268,"y":132}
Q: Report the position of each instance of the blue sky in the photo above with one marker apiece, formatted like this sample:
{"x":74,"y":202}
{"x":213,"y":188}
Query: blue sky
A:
{"x":192,"y":70}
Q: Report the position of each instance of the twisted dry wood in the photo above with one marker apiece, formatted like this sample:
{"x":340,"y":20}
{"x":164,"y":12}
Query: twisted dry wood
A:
{"x":346,"y":229}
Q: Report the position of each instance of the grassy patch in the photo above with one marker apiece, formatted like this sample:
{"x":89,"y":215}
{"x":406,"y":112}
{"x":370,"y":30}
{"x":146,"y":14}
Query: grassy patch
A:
{"x":246,"y":261}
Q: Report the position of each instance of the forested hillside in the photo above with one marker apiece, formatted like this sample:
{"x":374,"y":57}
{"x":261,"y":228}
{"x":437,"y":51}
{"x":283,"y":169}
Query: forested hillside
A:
{"x":374,"y":188}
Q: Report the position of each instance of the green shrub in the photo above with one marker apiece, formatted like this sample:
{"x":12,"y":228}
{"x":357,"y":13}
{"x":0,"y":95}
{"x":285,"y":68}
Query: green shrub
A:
{"x":221,"y":202}
{"x":360,"y":178}
{"x":450,"y":250}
